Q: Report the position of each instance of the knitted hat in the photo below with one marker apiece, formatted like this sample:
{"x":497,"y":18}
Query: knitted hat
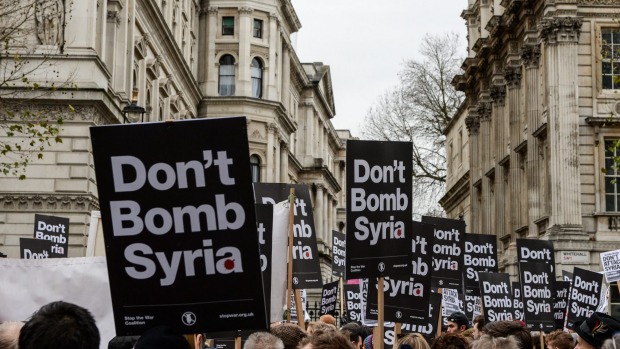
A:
{"x":368,"y":342}
{"x":161,"y":337}
{"x":597,"y":328}
{"x":290,"y":334}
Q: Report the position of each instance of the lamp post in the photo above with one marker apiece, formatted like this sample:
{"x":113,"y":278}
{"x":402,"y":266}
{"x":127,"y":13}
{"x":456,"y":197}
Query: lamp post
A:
{"x":133,"y":112}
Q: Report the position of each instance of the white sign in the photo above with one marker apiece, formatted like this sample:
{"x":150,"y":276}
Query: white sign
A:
{"x":575,"y":257}
{"x":610,"y":261}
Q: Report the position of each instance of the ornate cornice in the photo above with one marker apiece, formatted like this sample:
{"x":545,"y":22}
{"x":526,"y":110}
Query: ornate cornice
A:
{"x":24,"y":112}
{"x":531,"y":56}
{"x":48,"y":202}
{"x":597,"y":2}
{"x":513,"y":76}
{"x":560,"y":29}
{"x":498,"y":94}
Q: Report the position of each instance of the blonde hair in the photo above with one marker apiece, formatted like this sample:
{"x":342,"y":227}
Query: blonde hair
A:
{"x":415,"y":340}
{"x":488,"y":342}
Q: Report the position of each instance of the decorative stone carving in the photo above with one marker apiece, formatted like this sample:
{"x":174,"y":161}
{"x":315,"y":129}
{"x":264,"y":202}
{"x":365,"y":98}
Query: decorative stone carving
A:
{"x":472,"y":122}
{"x":212,"y":10}
{"x":114,"y":17}
{"x":49,"y":18}
{"x":484,"y":111}
{"x":35,"y":112}
{"x":560,"y":29}
{"x":513,"y":76}
{"x":37,"y":202}
{"x":498,"y":94}
{"x":272,"y":127}
{"x":597,"y":2}
{"x":246,"y":10}
{"x":531,"y":56}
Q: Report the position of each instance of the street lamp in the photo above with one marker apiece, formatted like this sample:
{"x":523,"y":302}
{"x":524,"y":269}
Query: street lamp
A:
{"x":133,"y":112}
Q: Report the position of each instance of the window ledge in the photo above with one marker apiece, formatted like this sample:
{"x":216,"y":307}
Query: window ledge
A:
{"x":606,"y":214}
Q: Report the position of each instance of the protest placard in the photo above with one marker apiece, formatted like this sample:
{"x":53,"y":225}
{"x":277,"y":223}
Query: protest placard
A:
{"x":584,"y":295}
{"x":530,"y":250}
{"x":306,"y":266}
{"x":448,"y":251}
{"x":517,"y":301}
{"x":378,"y":209}
{"x":55,"y":230}
{"x":179,"y":225}
{"x":611,"y":265}
{"x":353,"y":300}
{"x":537,"y":282}
{"x":329,"y":298}
{"x":339,"y":250}
{"x":497,"y":298}
{"x":34,"y":248}
{"x":560,"y":302}
{"x":480,"y":256}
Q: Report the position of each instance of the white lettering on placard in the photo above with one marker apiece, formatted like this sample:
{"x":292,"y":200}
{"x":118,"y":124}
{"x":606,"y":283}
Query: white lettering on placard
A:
{"x":362,"y":172}
{"x":378,"y":230}
{"x":52,"y":228}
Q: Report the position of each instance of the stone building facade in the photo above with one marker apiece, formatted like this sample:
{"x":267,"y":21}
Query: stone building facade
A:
{"x":529,"y":156}
{"x":188,"y":59}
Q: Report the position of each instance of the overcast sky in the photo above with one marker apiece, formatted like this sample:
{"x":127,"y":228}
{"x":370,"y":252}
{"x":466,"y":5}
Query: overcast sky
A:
{"x":366,"y":42}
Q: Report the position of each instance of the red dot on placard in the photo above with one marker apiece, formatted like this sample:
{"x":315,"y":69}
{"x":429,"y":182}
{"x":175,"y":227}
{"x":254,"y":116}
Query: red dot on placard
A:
{"x":229,"y":264}
{"x":308,"y":254}
{"x":417,"y":292}
{"x":399,"y":232}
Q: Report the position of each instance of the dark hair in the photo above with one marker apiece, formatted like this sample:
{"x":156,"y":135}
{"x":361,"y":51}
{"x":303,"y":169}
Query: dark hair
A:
{"x":327,"y":340}
{"x":353,"y":331}
{"x":450,"y":341}
{"x":123,"y":342}
{"x":479,"y":320}
{"x":507,"y":328}
{"x":60,"y":325}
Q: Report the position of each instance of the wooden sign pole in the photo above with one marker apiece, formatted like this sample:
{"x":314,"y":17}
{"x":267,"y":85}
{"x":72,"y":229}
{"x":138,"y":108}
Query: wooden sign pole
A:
{"x":397,"y":327}
{"x":301,"y":321}
{"x":542,"y":339}
{"x":289,"y":279}
{"x":341,"y":299}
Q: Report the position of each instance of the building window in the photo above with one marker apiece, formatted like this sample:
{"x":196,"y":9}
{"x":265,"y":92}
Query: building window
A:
{"x":612,"y":175}
{"x":228,"y":25}
{"x":257,"y":78}
{"x":611,"y":58}
{"x":227,"y":76}
{"x":258,"y":28}
{"x":255,"y":168}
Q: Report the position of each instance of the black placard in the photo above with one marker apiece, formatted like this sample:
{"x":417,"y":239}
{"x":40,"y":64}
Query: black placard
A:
{"x":497,"y":298}
{"x":584,"y":295}
{"x":537,"y":294}
{"x":178,"y":212}
{"x":34,"y":248}
{"x":530,"y":250}
{"x":354,"y":302}
{"x":329,"y":298}
{"x":428,"y":326}
{"x":378,"y":209}
{"x":560,"y":302}
{"x":306,"y":266}
{"x":53,"y":229}
{"x":448,"y":251}
{"x":339,"y":252}
{"x":480,"y":256}
{"x":517,"y":301}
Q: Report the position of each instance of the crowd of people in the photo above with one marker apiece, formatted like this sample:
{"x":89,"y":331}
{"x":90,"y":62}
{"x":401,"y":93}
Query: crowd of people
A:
{"x":62,"y":325}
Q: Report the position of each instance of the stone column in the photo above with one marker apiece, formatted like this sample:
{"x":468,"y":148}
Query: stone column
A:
{"x":309,"y":134}
{"x":560,"y":36}
{"x":531,"y":60}
{"x":484,"y":111}
{"x":472,"y":122}
{"x":244,"y":87}
{"x":272,"y":129}
{"x":286,"y":77}
{"x":318,"y":210}
{"x":284,"y":163}
{"x":272,"y":92}
{"x":212,"y":64}
{"x":513,"y":79}
{"x":203,"y":61}
{"x":498,"y":94}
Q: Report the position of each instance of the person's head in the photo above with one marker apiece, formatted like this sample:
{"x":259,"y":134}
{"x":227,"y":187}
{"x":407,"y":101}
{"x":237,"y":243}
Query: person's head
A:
{"x":413,"y":340}
{"x":123,"y":342}
{"x":328,"y":319}
{"x":162,"y":337}
{"x":354,"y":332}
{"x":326,"y":340}
{"x":450,"y":341}
{"x":478,"y":326}
{"x":612,"y":343}
{"x":595,"y":330}
{"x":559,"y":340}
{"x":322,"y":326}
{"x":290,"y":334}
{"x":457,"y":322}
{"x":60,"y":325}
{"x":507,"y":328}
{"x":488,"y":342}
{"x":9,"y":334}
{"x":263,"y":340}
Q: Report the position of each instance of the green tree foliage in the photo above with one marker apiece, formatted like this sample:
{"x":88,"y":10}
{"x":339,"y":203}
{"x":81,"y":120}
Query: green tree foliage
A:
{"x":418,"y":111}
{"x":28,"y":73}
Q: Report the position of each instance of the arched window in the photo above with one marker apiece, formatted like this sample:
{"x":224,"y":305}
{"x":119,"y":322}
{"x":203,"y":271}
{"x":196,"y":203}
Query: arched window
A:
{"x":255,"y":168}
{"x":257,"y":78}
{"x":227,"y":76}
